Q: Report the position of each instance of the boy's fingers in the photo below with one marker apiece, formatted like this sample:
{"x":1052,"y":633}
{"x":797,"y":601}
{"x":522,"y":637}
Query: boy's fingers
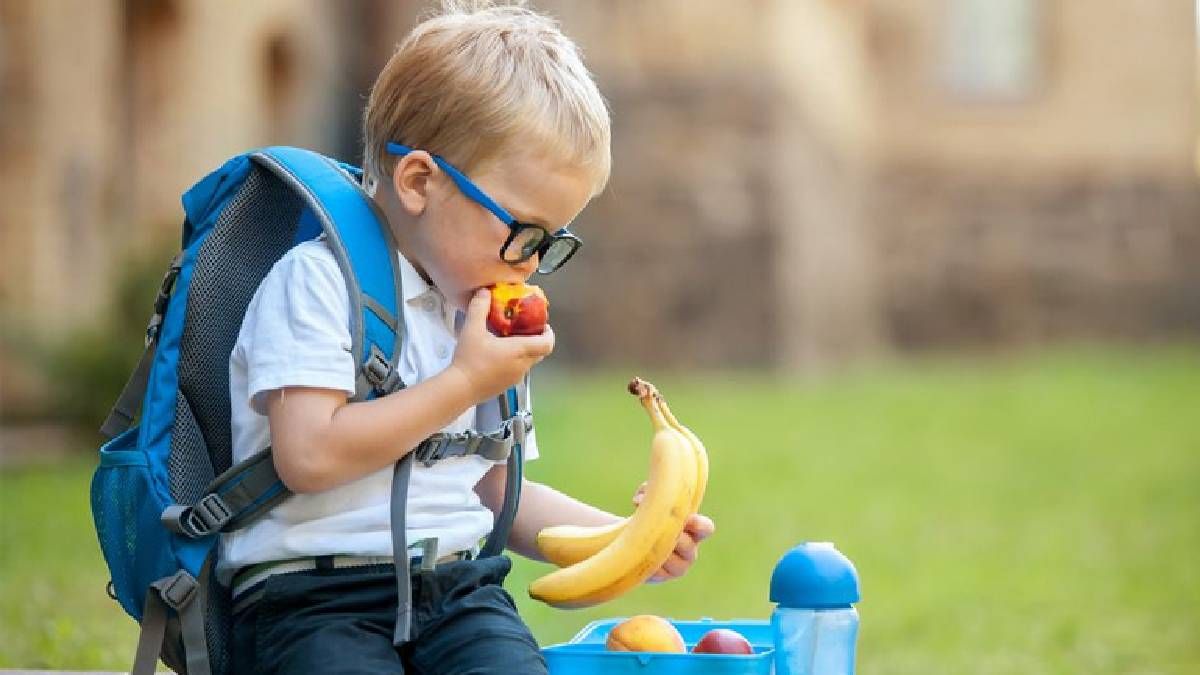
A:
{"x":534,"y":346}
{"x":548,"y":336}
{"x":477,"y":308}
{"x":640,"y":494}
{"x":673,"y":568}
{"x":700,"y":527}
{"x":686,"y":548}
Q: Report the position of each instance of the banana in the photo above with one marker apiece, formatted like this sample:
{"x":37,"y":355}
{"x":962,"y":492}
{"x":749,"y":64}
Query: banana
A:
{"x":565,"y":545}
{"x":697,"y":447}
{"x":648,"y":537}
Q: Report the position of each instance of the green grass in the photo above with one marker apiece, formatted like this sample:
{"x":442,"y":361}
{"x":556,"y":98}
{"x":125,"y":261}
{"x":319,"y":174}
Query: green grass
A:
{"x":1038,"y":514}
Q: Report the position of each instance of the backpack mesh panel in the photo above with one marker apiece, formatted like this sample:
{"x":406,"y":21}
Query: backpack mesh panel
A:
{"x":188,"y":464}
{"x":255,"y":229}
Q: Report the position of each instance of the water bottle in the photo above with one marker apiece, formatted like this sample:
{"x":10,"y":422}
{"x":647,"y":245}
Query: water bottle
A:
{"x":814,"y":623}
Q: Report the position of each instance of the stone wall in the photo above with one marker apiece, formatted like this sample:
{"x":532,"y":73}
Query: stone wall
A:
{"x":676,"y":267}
{"x":967,"y":259}
{"x":794,"y":182}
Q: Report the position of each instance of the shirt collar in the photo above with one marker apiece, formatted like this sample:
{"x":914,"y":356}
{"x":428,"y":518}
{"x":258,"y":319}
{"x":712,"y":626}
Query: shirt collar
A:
{"x":418,"y":292}
{"x":412,"y":285}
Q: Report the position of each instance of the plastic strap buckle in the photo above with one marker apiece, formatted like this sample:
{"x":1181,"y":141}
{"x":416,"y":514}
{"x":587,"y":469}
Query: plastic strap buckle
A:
{"x":521,"y":424}
{"x":496,"y":445}
{"x":163,"y":298}
{"x":177,"y":590}
{"x":434,"y":448}
{"x":382,"y":377}
{"x":152,"y":328}
{"x":209,"y":515}
{"x":376,"y":368}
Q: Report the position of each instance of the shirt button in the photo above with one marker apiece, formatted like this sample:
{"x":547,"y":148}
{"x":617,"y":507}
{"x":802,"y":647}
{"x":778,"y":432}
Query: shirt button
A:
{"x":443,"y":351}
{"x":429,"y":304}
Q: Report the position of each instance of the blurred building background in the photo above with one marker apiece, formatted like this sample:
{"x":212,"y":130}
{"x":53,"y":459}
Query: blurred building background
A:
{"x":797,"y":183}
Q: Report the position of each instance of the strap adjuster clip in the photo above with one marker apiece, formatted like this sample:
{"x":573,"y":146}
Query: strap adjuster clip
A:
{"x":376,"y":369}
{"x":208,"y":515}
{"x":178,"y":590}
{"x":433,"y":448}
{"x":382,"y":376}
{"x":163,"y":297}
{"x":520,"y":425}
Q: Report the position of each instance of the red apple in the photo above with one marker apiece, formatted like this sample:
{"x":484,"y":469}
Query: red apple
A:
{"x":722,"y":641}
{"x":517,"y":309}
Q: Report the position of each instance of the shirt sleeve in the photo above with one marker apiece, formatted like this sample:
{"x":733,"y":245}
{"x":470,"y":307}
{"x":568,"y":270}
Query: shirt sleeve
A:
{"x":296,"y":331}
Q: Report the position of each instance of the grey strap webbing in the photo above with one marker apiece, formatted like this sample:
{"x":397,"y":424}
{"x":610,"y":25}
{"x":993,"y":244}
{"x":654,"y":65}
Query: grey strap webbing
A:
{"x":233,"y":500}
{"x":494,"y":446}
{"x":498,"y":539}
{"x":125,"y":410}
{"x":181,"y":593}
{"x":512,"y":430}
{"x":400,"y":478}
{"x":129,"y":403}
{"x":154,"y":627}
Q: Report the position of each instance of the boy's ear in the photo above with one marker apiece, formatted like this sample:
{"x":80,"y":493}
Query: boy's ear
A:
{"x":411,"y":179}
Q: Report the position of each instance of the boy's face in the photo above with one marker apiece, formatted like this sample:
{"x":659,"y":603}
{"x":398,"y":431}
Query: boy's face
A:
{"x":457,"y":242}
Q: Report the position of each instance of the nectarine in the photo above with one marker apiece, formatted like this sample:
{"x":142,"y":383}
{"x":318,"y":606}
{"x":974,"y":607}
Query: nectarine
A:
{"x":645,"y":633}
{"x":517,"y":309}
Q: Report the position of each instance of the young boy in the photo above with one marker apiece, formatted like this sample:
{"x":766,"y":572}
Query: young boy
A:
{"x":501,"y":96}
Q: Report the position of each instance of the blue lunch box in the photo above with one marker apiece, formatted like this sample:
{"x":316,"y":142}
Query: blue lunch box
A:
{"x":585,"y":653}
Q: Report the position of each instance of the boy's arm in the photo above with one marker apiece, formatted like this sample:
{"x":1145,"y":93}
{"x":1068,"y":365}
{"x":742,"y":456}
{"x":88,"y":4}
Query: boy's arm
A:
{"x":541,"y":506}
{"x":320,"y":440}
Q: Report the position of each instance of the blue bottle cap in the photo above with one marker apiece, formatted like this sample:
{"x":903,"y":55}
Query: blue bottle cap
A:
{"x":814,"y":575}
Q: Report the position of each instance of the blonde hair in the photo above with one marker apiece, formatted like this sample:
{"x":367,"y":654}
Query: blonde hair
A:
{"x":476,"y":81}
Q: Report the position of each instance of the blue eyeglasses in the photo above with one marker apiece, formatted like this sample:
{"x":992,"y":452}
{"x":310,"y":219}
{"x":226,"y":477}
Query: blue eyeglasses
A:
{"x":525,"y":240}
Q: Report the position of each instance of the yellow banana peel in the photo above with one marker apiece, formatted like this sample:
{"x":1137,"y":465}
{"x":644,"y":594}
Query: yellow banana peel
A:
{"x":565,"y":545}
{"x":645,"y":540}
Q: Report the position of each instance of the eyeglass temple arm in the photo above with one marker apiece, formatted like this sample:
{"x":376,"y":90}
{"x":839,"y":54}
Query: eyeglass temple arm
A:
{"x":468,"y":188}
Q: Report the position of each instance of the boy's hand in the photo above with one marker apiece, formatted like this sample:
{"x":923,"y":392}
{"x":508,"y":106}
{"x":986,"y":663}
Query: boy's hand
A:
{"x":687,"y":548}
{"x":492,"y":364}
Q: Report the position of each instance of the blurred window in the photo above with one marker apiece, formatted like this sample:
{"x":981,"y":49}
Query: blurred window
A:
{"x":991,"y":49}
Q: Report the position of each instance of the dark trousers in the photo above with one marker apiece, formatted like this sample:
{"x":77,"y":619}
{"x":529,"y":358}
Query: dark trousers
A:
{"x":341,"y":621}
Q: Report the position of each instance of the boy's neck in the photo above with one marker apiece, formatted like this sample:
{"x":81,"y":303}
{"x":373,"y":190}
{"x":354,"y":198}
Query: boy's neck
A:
{"x":401,"y":226}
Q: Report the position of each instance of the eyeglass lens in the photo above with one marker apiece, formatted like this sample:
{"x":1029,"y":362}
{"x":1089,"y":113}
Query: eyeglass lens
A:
{"x":556,"y":254}
{"x":525,"y":243}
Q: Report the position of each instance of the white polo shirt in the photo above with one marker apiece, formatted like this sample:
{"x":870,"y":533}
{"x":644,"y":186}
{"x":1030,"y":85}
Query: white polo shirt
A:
{"x":296,"y":332}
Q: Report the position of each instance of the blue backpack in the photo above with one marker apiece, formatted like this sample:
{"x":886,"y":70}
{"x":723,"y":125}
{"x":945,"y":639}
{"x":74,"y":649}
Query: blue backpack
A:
{"x":165,"y":485}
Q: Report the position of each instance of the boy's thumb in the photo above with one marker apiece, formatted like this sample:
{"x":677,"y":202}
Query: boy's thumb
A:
{"x":477,"y":308}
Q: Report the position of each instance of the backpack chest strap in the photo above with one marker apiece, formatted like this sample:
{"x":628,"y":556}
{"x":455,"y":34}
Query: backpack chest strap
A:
{"x":494,"y":446}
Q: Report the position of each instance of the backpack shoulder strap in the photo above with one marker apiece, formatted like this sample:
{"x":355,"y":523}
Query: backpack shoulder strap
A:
{"x":365,"y":250}
{"x":514,"y":408}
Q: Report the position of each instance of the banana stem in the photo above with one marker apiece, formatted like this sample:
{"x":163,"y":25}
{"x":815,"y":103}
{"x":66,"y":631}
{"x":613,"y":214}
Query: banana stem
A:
{"x":641,"y":388}
{"x":650,"y":398}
